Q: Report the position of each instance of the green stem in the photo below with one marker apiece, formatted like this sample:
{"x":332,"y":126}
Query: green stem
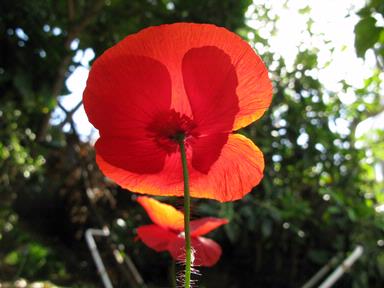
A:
{"x":187,"y":205}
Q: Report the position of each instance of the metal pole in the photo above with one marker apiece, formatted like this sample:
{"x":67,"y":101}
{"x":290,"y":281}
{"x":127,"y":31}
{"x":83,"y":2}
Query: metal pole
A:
{"x":343,"y":267}
{"x":96,"y":255}
{"x":321,"y":273}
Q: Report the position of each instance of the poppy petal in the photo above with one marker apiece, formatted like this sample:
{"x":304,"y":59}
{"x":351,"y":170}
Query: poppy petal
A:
{"x":254,"y":88}
{"x":136,"y":155}
{"x":206,"y":150}
{"x":206,"y":251}
{"x":168,"y":182}
{"x":156,"y":237}
{"x":238,"y":169}
{"x":162,"y":214}
{"x":210,"y":82}
{"x":177,"y":249}
{"x":124,"y":93}
{"x":203,"y":226}
{"x":169,"y":44}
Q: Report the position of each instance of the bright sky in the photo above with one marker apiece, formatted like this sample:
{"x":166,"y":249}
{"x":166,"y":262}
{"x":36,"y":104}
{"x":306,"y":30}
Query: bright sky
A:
{"x":334,"y":21}
{"x":331,"y":23}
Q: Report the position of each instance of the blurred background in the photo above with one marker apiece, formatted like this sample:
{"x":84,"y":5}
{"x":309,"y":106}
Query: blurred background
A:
{"x":323,"y":190}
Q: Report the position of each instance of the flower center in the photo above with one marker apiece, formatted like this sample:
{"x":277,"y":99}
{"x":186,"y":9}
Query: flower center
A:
{"x":168,"y":127}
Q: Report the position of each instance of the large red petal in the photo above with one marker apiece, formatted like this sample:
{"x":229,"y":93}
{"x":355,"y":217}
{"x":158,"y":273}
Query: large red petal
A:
{"x":136,"y":155}
{"x":238,"y":169}
{"x":205,"y":225}
{"x":254,"y":86}
{"x":124,"y":94}
{"x":162,"y":214}
{"x":170,"y":43}
{"x":210,"y":82}
{"x":206,"y":251}
{"x":156,"y":237}
{"x":206,"y":150}
{"x":168,"y":182}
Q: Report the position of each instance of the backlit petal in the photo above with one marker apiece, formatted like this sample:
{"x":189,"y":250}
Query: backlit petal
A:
{"x":137,"y":155}
{"x":162,"y":214}
{"x":254,"y":89}
{"x":238,"y":169}
{"x":168,"y":182}
{"x":206,"y":150}
{"x":169,"y":44}
{"x":203,"y":226}
{"x":156,"y":237}
{"x":210,"y":82}
{"x":124,"y":93}
{"x":206,"y":251}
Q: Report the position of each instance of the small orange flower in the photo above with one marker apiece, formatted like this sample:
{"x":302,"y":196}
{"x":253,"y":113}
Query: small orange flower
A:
{"x":167,"y":233}
{"x":198,"y":80}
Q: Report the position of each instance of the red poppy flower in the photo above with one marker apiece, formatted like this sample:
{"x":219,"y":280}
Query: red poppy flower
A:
{"x":196,"y":79}
{"x":167,"y":233}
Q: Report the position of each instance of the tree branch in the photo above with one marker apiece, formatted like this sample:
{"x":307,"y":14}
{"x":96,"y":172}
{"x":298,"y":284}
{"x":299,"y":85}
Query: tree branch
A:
{"x":69,"y":115}
{"x":73,"y":32}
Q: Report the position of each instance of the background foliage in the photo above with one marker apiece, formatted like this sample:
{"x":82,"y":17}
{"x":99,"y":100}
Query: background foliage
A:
{"x":317,"y":199}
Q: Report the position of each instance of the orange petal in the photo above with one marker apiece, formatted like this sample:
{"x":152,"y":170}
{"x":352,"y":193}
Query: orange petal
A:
{"x":162,"y":214}
{"x":205,"y":225}
{"x":237,"y":170}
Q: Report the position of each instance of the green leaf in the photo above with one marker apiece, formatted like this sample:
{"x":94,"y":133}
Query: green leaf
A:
{"x":12,"y":258}
{"x":367,"y":34}
{"x":305,"y":10}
